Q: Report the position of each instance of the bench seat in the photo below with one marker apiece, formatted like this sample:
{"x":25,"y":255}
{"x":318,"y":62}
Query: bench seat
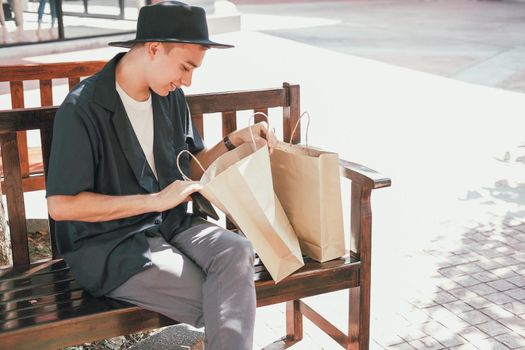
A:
{"x":44,"y":298}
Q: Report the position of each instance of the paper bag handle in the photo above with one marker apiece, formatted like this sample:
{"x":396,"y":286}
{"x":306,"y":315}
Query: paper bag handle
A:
{"x":297,"y":124}
{"x":184,"y":176}
{"x":250,"y":126}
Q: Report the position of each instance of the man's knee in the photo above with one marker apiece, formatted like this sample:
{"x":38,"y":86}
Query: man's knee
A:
{"x":243,"y":250}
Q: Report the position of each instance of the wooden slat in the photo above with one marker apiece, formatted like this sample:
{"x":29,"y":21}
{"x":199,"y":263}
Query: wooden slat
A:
{"x":25,"y":271}
{"x":86,"y":328}
{"x":73,"y":81}
{"x":294,"y":321}
{"x":324,"y":324}
{"x":363,"y":175}
{"x":50,"y":70}
{"x":361,"y":231}
{"x":26,"y":119}
{"x":46,"y":135}
{"x":15,"y":199}
{"x":260,"y":118}
{"x":46,"y":92}
{"x":17,"y":101}
{"x":311,"y":279}
{"x":17,"y":93}
{"x":354,"y":301}
{"x":291,"y":113}
{"x":229,"y":122}
{"x":198,"y":122}
{"x":236,"y":101}
{"x":33,"y":183}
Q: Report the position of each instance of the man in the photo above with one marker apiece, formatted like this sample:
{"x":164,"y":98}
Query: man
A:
{"x":120,"y":205}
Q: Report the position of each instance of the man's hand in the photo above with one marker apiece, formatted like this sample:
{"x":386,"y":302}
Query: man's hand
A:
{"x":174,"y":194}
{"x":261,"y":135}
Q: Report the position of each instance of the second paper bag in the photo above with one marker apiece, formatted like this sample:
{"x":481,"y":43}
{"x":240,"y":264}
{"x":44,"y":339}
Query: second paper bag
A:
{"x":239,"y":183}
{"x":307,"y":182}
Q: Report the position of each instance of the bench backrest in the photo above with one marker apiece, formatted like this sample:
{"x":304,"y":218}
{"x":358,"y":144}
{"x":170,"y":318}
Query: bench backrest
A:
{"x":227,"y":104}
{"x":16,"y":75}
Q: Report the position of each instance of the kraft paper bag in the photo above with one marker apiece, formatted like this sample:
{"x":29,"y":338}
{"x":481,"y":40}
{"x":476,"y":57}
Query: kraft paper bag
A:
{"x":239,"y":183}
{"x":307,"y":182}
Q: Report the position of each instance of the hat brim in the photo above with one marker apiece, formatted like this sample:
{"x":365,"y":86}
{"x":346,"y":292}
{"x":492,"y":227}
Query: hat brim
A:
{"x":209,"y":43}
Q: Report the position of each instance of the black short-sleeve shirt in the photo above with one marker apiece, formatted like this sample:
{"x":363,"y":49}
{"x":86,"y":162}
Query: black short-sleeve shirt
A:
{"x":95,"y":149}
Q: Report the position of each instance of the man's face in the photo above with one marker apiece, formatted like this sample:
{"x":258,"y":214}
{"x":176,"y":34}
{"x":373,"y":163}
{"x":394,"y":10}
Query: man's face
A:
{"x":171,"y":65}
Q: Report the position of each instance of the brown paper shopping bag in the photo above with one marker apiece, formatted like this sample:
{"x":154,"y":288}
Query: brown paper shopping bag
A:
{"x":239,"y":183}
{"x":307,"y":182}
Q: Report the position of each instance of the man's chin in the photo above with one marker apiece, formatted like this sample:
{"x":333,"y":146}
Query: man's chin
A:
{"x":163,"y":92}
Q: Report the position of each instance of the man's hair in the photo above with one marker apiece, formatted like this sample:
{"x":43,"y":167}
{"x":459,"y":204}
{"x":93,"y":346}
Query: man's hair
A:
{"x":168,"y":45}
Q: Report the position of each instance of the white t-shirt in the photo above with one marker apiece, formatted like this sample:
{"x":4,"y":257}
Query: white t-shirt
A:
{"x":140,"y":114}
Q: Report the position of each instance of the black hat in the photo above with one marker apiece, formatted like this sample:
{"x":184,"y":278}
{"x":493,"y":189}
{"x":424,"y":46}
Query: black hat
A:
{"x":172,"y":21}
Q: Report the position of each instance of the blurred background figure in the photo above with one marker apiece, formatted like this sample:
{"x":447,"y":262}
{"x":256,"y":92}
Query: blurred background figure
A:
{"x":53,"y":8}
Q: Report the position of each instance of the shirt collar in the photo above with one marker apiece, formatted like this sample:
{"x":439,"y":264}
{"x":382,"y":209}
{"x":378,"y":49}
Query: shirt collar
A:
{"x":105,"y":92}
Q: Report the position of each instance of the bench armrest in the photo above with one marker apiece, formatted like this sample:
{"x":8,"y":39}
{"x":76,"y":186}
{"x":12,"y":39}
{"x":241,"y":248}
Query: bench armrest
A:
{"x":362,"y":175}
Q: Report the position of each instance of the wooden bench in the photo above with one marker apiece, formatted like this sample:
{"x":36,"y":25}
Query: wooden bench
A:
{"x":43,"y":307}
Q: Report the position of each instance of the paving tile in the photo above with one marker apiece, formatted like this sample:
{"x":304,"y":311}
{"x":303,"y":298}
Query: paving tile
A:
{"x":517,"y":280}
{"x":474,"y":317}
{"x":506,"y":260}
{"x":444,"y":297}
{"x":488,"y":264}
{"x":478,"y":302}
{"x":466,"y":346}
{"x":427,"y":343}
{"x":470,"y":268}
{"x":489,"y":344}
{"x":402,"y":346}
{"x":462,"y":293}
{"x":505,"y":249}
{"x":504,"y":272}
{"x":516,"y":293}
{"x":416,"y":317}
{"x":451,"y":271}
{"x":482,"y":289}
{"x":516,"y":307}
{"x":387,"y":338}
{"x":411,"y":333}
{"x":485,"y":276}
{"x":446,"y":318}
{"x":493,"y":328}
{"x":472,"y":333}
{"x":466,"y":280}
{"x":515,"y":323}
{"x":496,"y":312}
{"x":511,"y":340}
{"x":458,"y":307}
{"x":501,"y":285}
{"x":499,"y":298}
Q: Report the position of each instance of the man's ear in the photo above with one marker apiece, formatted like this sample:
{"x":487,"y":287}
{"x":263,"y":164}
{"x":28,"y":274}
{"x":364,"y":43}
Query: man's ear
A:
{"x":153,"y":48}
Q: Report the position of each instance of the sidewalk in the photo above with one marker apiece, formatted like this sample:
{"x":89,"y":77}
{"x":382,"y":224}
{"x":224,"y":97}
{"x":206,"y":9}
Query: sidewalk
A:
{"x":449,"y":235}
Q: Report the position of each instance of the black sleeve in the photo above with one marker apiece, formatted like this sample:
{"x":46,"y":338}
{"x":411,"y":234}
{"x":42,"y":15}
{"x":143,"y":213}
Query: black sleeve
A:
{"x":193,"y":139}
{"x":71,"y":165}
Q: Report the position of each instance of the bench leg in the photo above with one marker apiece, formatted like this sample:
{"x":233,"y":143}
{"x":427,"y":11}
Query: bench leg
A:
{"x":353,"y":319}
{"x":358,"y":319}
{"x":294,"y":321}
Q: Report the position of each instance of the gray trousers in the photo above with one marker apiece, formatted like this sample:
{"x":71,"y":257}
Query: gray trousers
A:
{"x":203,"y":278}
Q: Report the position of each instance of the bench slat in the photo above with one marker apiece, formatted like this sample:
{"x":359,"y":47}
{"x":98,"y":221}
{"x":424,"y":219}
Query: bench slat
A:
{"x":50,"y":70}
{"x":15,"y":198}
{"x":236,"y":101}
{"x":198,"y":122}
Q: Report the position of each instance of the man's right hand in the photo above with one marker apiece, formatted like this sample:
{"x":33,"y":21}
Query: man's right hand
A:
{"x":175,"y":193}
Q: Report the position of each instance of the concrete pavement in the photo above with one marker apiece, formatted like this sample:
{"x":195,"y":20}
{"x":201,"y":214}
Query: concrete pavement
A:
{"x":448,"y":237}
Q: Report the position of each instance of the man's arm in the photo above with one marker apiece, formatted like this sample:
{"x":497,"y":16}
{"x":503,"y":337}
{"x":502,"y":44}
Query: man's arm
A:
{"x":94,"y":207}
{"x":261,"y":135}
